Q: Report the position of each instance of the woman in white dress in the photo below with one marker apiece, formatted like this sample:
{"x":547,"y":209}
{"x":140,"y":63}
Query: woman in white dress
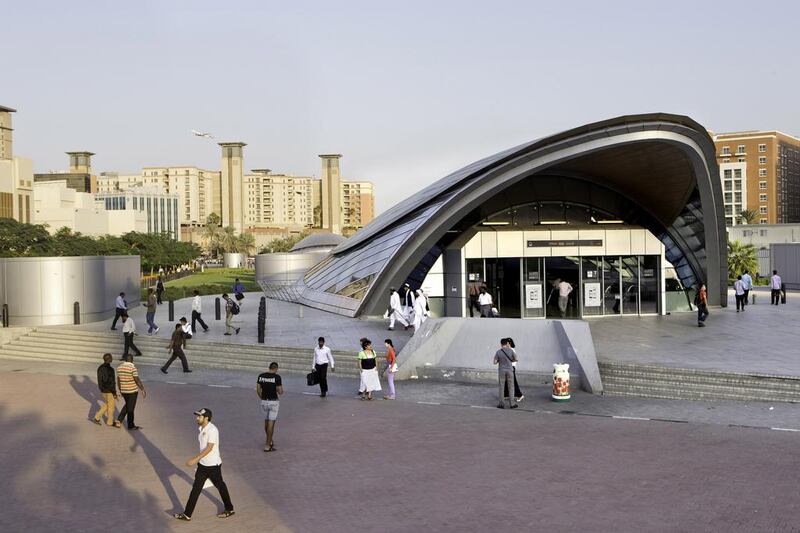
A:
{"x":367,"y":363}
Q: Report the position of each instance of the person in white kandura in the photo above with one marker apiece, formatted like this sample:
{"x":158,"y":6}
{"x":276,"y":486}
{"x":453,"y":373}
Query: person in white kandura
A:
{"x":419,"y":310}
{"x":408,"y":302}
{"x":395,"y":312}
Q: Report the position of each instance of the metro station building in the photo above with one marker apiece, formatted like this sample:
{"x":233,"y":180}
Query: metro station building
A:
{"x":629,"y":211}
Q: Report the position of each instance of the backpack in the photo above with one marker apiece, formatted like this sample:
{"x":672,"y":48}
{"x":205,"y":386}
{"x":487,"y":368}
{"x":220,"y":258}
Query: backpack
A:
{"x":234,"y":308}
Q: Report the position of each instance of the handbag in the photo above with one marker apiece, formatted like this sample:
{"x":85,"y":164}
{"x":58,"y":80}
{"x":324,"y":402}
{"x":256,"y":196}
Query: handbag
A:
{"x":312,"y":378}
{"x":393,"y":368}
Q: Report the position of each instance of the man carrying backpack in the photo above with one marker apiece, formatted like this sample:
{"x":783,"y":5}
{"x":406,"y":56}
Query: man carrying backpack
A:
{"x":231,"y":308}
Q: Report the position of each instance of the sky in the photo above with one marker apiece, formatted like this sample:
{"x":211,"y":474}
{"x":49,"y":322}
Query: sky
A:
{"x":407,"y":91}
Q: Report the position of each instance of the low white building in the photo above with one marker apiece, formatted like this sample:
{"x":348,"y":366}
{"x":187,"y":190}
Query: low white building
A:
{"x":58,"y":206}
{"x":160,"y":209}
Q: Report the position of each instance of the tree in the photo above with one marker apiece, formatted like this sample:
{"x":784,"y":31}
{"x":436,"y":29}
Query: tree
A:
{"x":213,"y":218}
{"x":749,"y":216}
{"x":741,"y":258}
{"x":228,"y":240}
{"x":283,"y":245}
{"x":247,"y":243}
{"x":211,"y":235}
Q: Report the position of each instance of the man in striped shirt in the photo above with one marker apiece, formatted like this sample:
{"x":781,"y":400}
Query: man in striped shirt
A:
{"x":129,"y":386}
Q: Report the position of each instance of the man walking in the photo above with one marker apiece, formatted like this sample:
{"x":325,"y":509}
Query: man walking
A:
{"x":150,"y":316}
{"x":485,"y":303}
{"x":197,"y":311}
{"x":129,"y":387}
{"x":129,"y":331}
{"x":108,"y":388}
{"x":738,"y":289}
{"x":564,"y":289}
{"x":269,"y":388}
{"x":121,"y":309}
{"x":209,"y":466}
{"x":322,"y":358}
{"x":701,"y":301}
{"x":474,"y":291}
{"x":159,"y":290}
{"x":231,"y":308}
{"x":503,"y":358}
{"x":748,"y":286}
{"x":176,"y":345}
{"x":395,"y":310}
{"x":775,"y":284}
{"x":408,"y":302}
{"x":238,"y":290}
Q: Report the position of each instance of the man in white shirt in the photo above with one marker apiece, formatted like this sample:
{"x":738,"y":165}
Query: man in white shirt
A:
{"x":748,"y":285}
{"x":197,"y":310}
{"x":395,"y":311}
{"x":564,"y":289}
{"x":186,"y":329}
{"x":322,"y":359}
{"x":128,"y":331}
{"x":121,"y":308}
{"x":209,"y":466}
{"x":408,"y":302}
{"x":485,"y":303}
{"x":738,"y":289}
{"x":775,"y":285}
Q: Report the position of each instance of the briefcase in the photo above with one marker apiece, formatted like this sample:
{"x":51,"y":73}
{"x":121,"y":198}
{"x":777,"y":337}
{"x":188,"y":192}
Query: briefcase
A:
{"x":311,"y":378}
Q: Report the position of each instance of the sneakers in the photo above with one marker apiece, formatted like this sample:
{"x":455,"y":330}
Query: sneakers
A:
{"x":156,"y":330}
{"x":520,"y":398}
{"x":514,"y":406}
{"x":182,"y":516}
{"x":186,"y":371}
{"x":226,"y":514}
{"x":237,"y":330}
{"x":391,"y":329}
{"x":96,"y":422}
{"x":501,"y":406}
{"x":226,"y":333}
{"x":164,"y":371}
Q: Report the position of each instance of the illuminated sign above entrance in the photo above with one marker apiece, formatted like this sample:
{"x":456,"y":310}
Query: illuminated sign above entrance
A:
{"x":557,"y":244}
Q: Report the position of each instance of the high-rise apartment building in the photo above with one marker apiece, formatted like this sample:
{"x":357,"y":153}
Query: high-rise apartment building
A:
{"x":231,"y":186}
{"x":769,"y":165}
{"x":278,"y":200}
{"x":331,"y":197}
{"x":358,"y":204}
{"x":16,"y":175}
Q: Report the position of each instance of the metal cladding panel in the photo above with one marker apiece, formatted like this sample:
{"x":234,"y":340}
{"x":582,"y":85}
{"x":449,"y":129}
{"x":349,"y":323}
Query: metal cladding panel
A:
{"x":72,"y":279}
{"x":24,"y":289}
{"x":52,"y":287}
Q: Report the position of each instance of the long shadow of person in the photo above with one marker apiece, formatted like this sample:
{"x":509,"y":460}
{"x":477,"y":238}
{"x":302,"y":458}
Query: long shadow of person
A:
{"x":87,"y":389}
{"x":165,"y":470}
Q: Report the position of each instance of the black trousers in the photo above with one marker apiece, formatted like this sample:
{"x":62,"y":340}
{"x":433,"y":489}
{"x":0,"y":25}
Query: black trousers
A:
{"x":214,"y":473}
{"x":740,"y":299}
{"x":702,"y":313}
{"x":117,"y":314}
{"x":177,"y":353}
{"x":776,"y":296}
{"x":517,"y":392}
{"x":473,"y":304}
{"x":130,"y":406}
{"x":322,"y":376}
{"x":197,"y":318}
{"x":158,"y":296}
{"x":129,"y":345}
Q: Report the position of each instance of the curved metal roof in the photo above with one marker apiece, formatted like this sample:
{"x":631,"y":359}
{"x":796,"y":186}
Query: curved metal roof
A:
{"x":319,"y":240}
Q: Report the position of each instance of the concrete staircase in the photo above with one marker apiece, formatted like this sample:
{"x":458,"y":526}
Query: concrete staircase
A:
{"x":79,"y":346}
{"x":622,"y":379}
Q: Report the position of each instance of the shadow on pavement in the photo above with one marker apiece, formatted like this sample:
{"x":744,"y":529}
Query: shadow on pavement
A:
{"x":87,"y":389}
{"x":166,"y":469}
{"x":47,"y":489}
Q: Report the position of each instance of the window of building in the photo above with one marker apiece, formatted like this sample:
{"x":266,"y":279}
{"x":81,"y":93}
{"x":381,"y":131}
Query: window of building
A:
{"x":762,"y":160}
{"x":738,"y":197}
{"x":762,"y":172}
{"x":762,"y":210}
{"x":728,"y":185}
{"x":726,"y":160}
{"x":729,"y":210}
{"x":737,"y":173}
{"x":740,"y":149}
{"x":728,"y":174}
{"x":762,"y":197}
{"x":762,"y":221}
{"x":726,"y":150}
{"x":762,"y":147}
{"x":728,"y":197}
{"x":741,"y":160}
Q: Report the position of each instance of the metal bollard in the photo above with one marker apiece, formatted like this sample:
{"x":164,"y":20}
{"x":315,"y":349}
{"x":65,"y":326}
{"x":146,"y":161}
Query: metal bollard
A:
{"x":171,"y":310}
{"x":262,"y":320}
{"x":76,"y":310}
{"x":299,"y":311}
{"x":754,"y":298}
{"x":5,"y":315}
{"x":217,"y":308}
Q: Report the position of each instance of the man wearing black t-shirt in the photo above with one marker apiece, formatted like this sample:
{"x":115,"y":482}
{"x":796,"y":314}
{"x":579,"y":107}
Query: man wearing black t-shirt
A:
{"x":269,"y":388}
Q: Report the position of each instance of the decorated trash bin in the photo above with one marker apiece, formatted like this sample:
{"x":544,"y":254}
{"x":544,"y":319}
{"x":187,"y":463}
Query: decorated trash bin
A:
{"x":561,"y":382}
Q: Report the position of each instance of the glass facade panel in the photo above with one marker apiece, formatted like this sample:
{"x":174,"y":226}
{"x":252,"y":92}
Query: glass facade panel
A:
{"x":533,"y":286}
{"x":611,"y":286}
{"x":592,"y":285}
{"x":630,"y":285}
{"x":650,"y":286}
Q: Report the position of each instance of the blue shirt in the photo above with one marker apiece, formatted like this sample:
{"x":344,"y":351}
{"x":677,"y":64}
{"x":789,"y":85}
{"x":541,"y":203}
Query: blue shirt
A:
{"x":748,"y":282}
{"x":238,"y":288}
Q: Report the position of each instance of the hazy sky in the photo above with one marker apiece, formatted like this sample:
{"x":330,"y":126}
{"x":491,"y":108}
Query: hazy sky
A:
{"x":407,"y":91}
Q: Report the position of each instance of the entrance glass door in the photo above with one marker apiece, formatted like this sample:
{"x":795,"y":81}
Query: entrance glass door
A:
{"x":612,"y":299}
{"x":557,"y":270}
{"x":592,"y":286}
{"x":630,"y":285}
{"x":650,"y":286}
{"x":533,"y":284}
{"x":503,"y":280}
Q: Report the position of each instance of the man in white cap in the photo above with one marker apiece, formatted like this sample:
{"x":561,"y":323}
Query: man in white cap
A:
{"x":395,"y":311}
{"x":209,"y":467}
{"x":408,"y":302}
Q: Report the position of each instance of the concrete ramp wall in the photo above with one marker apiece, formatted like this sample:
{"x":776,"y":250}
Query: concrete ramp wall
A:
{"x":469,"y":343}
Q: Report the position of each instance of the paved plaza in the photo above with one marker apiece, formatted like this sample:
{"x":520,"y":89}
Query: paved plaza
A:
{"x":427,"y":462}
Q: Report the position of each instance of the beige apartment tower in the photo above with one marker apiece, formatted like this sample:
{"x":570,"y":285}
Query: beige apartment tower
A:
{"x":231,"y":186}
{"x":768,"y":165}
{"x":331,"y":193}
{"x":6,"y":133}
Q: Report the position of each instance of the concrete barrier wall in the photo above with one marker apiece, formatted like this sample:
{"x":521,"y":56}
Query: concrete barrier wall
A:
{"x":42,"y":290}
{"x":470,"y":343}
{"x":785,"y":258}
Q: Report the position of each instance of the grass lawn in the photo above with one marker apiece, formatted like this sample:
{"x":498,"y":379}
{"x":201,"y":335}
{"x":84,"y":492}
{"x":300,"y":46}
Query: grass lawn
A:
{"x":212,"y":281}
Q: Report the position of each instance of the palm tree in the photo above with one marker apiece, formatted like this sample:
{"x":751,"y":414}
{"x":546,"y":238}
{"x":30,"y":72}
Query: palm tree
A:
{"x":749,"y":216}
{"x":228,"y":240}
{"x":211,"y":235}
{"x":247,"y":243}
{"x":741,"y":258}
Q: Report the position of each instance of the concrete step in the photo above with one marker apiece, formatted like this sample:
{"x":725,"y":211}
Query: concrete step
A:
{"x":683,"y":394}
{"x":742,"y":381}
{"x":682,"y":389}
